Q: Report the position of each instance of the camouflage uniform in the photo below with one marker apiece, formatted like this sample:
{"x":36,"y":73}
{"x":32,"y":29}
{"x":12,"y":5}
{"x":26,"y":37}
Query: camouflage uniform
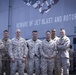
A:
{"x":1,"y":47}
{"x":56,"y":39}
{"x":47,"y":49}
{"x":5,"y":57}
{"x":18,"y":50}
{"x":63,"y":55}
{"x":34,"y":56}
{"x":55,"y":63}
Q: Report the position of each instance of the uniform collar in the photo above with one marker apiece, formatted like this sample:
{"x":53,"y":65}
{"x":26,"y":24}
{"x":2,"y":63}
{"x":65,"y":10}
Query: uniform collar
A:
{"x":17,"y":38}
{"x":34,"y":41}
{"x":5,"y":40}
{"x":49,"y":40}
{"x":63,"y":37}
{"x":54,"y":38}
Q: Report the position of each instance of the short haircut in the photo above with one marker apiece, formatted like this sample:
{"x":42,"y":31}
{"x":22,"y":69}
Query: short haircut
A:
{"x":48,"y":31}
{"x":5,"y":31}
{"x":53,"y":29}
{"x":35,"y":31}
{"x":62,"y":29}
{"x":18,"y":30}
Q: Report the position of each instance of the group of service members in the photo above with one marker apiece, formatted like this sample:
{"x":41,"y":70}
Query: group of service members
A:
{"x":41,"y":57}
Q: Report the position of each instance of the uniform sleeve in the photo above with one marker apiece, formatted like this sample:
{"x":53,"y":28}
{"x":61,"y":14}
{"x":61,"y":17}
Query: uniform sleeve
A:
{"x":54,"y":50}
{"x":65,"y":45}
{"x":1,"y":45}
{"x":59,"y":47}
{"x":25,"y":50}
{"x":41,"y":51}
{"x":10,"y":50}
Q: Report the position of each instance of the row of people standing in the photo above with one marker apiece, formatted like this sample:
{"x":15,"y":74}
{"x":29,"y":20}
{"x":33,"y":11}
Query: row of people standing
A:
{"x":42,"y":56}
{"x":50,"y":54}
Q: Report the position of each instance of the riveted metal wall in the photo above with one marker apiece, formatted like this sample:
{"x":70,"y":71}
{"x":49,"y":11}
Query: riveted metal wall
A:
{"x":17,"y":14}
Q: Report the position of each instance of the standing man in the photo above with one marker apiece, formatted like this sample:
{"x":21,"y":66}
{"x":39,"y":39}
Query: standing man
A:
{"x":18,"y":52}
{"x":48,"y":53}
{"x":55,"y":39}
{"x":53,"y":36}
{"x":63,"y":53}
{"x":1,"y":48}
{"x":5,"y":56}
{"x":34,"y":54}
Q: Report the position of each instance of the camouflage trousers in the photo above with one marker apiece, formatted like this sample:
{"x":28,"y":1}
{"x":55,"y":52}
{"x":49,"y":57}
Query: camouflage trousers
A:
{"x":17,"y":65}
{"x":34,"y":64}
{"x":63,"y":66}
{"x":6,"y":66}
{"x":47,"y":66}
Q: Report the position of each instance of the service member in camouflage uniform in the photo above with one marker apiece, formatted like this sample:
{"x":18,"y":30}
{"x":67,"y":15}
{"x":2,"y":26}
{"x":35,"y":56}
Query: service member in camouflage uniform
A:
{"x":48,"y":53}
{"x":18,"y":52}
{"x":34,"y":54}
{"x":5,"y":55}
{"x":1,"y":47}
{"x":63,"y":53}
{"x":55,"y":39}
